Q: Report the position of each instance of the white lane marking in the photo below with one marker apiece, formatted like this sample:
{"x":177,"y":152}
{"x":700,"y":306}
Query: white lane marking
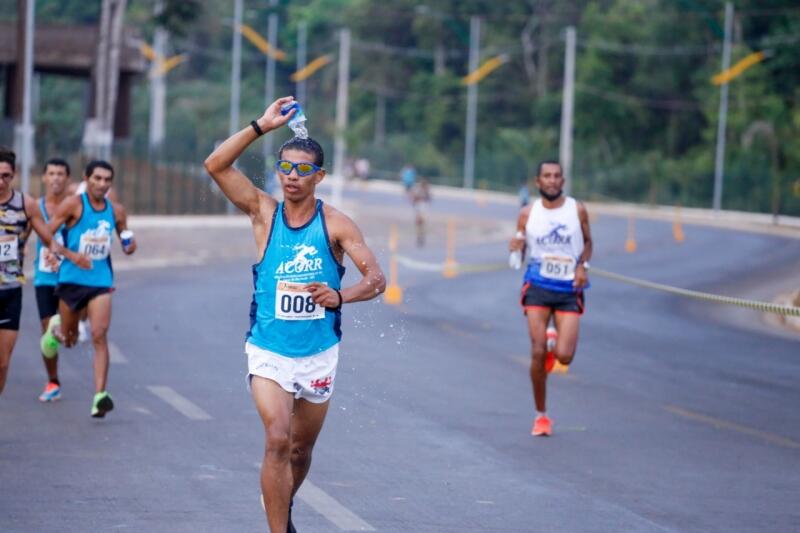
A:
{"x":115,"y":355}
{"x":334,"y":511}
{"x":179,"y":403}
{"x":718,"y":423}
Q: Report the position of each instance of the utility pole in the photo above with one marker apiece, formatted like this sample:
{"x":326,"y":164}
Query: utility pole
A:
{"x":567,"y":109}
{"x":24,"y":130}
{"x":98,"y":135}
{"x":339,"y":143}
{"x":236,"y":74}
{"x":269,"y":89}
{"x":302,"y":46}
{"x":722,"y":123}
{"x":158,"y":86}
{"x":472,"y":103}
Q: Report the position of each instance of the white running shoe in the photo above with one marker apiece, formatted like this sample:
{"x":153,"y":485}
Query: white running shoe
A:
{"x":83,"y":330}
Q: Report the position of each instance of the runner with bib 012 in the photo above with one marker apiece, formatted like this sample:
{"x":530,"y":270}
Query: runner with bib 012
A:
{"x":555,"y":232}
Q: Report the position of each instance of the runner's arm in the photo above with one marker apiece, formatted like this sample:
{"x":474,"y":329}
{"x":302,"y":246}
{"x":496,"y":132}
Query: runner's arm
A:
{"x":38,"y":223}
{"x":515,"y":243}
{"x":67,"y":211}
{"x":121,"y":219}
{"x":219,"y":164}
{"x":581,"y":276}
{"x":372,"y":283}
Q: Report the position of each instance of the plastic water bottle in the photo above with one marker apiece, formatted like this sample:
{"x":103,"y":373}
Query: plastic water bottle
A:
{"x":298,"y":122}
{"x":515,"y":258}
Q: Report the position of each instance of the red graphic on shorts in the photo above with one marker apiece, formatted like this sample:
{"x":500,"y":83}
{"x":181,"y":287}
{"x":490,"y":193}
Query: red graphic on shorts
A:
{"x":322,"y":386}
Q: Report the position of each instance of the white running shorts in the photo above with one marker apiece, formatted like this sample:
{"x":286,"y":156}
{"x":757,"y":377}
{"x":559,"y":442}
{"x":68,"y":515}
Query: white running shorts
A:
{"x":310,"y":378}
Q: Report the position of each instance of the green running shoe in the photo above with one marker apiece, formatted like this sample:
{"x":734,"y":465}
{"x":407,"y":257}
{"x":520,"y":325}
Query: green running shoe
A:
{"x":102,"y":404}
{"x":49,"y":343}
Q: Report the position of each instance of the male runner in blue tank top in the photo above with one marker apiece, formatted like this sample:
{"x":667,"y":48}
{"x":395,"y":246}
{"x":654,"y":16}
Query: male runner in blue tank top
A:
{"x":89,"y":221}
{"x":295,"y":315}
{"x":17,"y":212}
{"x":555,"y":231}
{"x":45,"y":266}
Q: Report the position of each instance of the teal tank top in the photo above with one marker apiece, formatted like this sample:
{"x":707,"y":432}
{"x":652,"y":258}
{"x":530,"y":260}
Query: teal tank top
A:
{"x":44,"y":274}
{"x":283,"y":317}
{"x":90,"y":236}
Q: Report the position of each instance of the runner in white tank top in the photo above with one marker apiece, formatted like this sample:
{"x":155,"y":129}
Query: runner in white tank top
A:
{"x":555,"y":231}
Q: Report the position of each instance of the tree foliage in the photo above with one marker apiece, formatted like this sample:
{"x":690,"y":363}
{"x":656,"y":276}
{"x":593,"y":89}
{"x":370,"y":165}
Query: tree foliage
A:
{"x":646,"y":112}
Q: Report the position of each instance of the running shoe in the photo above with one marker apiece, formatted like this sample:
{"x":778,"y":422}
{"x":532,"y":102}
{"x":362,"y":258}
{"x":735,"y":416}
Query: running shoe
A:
{"x":102,"y":404}
{"x":49,"y":342}
{"x":542,"y":426}
{"x":83,"y":330}
{"x":550,"y":356}
{"x":52,"y":392}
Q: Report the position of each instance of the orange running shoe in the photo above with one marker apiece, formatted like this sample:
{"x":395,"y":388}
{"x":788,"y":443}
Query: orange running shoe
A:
{"x":550,"y":356}
{"x":542,"y":426}
{"x":52,"y":392}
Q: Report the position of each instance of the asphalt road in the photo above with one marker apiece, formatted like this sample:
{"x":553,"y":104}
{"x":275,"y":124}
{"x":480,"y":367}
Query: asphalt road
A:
{"x":674,"y":417}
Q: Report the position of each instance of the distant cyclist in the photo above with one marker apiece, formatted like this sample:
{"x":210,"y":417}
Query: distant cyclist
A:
{"x":558,"y":240}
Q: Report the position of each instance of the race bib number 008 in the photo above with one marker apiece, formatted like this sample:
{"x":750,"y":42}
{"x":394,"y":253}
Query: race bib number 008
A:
{"x":293,"y":302}
{"x":9,"y":248}
{"x":95,"y":248}
{"x":558,"y":267}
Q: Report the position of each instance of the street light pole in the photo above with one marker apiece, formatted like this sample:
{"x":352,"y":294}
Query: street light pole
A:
{"x":472,"y":103}
{"x":269,"y":89}
{"x":302,"y":45}
{"x":567,"y":110}
{"x":236,"y":75}
{"x":26,"y":131}
{"x":340,"y":141}
{"x":719,"y":164}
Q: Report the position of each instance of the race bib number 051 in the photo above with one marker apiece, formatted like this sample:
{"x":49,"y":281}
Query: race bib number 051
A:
{"x":95,"y":248}
{"x":9,"y":248}
{"x":293,"y":302}
{"x":557,"y":267}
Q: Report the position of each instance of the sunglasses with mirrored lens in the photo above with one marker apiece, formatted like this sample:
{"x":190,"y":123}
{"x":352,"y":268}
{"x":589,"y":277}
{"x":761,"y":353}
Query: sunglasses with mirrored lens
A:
{"x":303,"y":169}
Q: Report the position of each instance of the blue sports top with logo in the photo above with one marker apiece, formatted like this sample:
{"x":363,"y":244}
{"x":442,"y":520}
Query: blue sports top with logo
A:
{"x":90,"y":236}
{"x":555,"y":242}
{"x":45,"y":275}
{"x":284,"y":318}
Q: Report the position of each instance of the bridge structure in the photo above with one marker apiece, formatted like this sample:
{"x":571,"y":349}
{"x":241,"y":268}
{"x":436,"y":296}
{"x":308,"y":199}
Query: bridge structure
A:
{"x":67,"y":50}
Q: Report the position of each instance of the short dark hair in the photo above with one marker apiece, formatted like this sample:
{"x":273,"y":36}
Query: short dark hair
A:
{"x":307,"y":145}
{"x":98,"y":163}
{"x":8,"y":156}
{"x":57,"y":162}
{"x":547,"y":162}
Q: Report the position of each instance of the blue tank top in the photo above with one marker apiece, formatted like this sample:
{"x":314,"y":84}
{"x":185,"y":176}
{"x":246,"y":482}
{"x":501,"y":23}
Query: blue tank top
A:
{"x":283,"y":317}
{"x":43,"y":274}
{"x":90,"y":236}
